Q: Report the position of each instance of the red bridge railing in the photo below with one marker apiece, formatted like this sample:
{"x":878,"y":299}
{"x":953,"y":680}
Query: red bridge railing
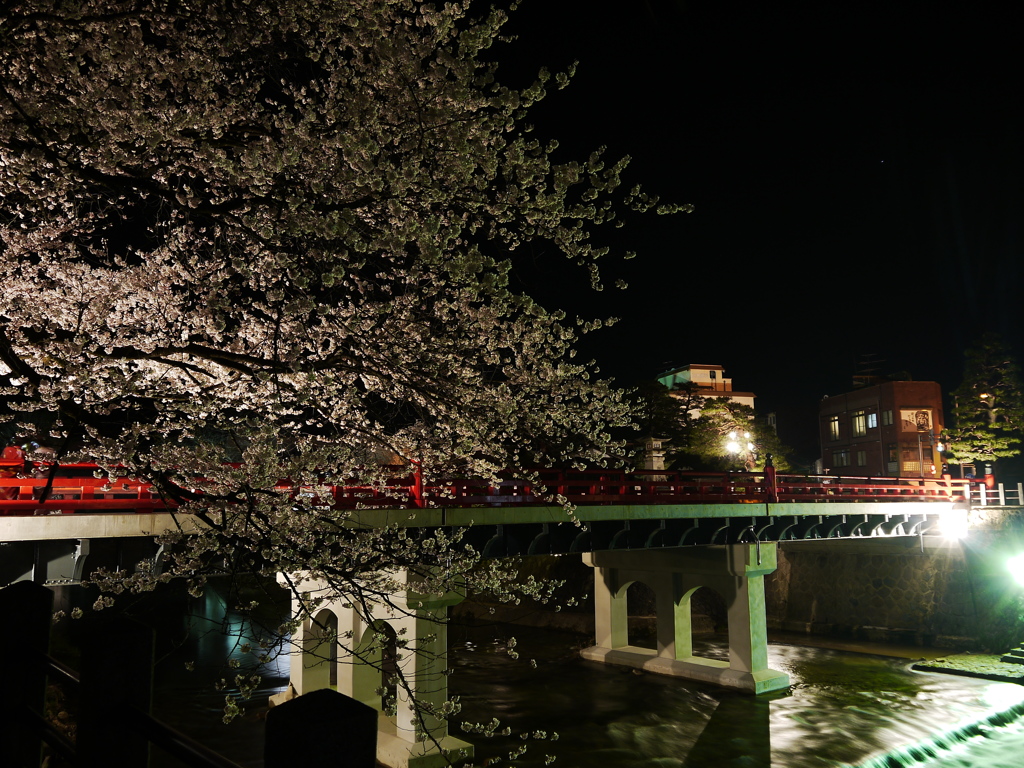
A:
{"x":75,"y":489}
{"x":662,"y":487}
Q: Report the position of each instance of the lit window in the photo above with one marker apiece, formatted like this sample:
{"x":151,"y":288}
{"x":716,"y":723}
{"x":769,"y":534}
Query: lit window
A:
{"x":841,"y":457}
{"x":862,"y":458}
{"x":860,"y":424}
{"x":872,"y":420}
{"x":833,"y":428}
{"x":892,"y":463}
{"x":886,"y":418}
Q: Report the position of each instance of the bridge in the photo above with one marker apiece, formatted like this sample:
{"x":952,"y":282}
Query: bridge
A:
{"x":673,"y":531}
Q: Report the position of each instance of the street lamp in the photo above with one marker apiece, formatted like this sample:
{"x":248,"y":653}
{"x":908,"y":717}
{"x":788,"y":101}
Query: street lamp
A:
{"x":954,"y":524}
{"x":740,"y":447}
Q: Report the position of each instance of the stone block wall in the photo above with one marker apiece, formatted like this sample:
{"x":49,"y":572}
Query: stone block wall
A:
{"x":947,"y":595}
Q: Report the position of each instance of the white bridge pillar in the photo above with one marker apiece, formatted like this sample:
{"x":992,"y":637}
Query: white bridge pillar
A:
{"x":735,"y":571}
{"x":339,"y":648}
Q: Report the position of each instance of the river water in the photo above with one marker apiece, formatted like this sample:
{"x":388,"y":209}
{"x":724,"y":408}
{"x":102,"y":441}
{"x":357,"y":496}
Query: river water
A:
{"x":844,"y":709}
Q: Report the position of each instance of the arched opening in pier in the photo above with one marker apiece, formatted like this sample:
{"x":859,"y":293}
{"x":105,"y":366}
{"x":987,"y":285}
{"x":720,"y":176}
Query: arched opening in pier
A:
{"x":708,"y":617}
{"x":375,"y":677}
{"x":642,"y":611}
{"x":388,"y":666}
{"x":708,"y":612}
{"x":322,"y":658}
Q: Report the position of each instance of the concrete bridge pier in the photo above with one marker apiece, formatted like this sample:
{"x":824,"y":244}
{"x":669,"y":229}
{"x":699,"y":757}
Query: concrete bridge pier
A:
{"x":339,"y":648}
{"x":735,"y":571}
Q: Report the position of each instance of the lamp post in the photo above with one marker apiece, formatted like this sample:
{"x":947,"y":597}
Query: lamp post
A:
{"x":741,"y":448}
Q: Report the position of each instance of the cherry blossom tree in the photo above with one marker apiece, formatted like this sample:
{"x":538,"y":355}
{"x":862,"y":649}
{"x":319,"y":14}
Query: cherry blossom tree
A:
{"x":244,"y":241}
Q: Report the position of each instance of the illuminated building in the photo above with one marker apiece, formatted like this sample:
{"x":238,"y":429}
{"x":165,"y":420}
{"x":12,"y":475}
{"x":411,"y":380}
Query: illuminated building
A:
{"x":710,"y":381}
{"x":887,"y":430}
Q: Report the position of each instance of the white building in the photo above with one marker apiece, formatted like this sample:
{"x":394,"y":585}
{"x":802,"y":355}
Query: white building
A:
{"x":710,"y":380}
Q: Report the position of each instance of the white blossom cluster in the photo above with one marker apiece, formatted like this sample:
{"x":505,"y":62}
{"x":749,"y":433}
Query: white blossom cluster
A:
{"x":244,"y":241}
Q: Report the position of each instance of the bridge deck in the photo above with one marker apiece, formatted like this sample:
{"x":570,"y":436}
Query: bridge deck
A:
{"x":616,"y":508}
{"x":129,"y":524}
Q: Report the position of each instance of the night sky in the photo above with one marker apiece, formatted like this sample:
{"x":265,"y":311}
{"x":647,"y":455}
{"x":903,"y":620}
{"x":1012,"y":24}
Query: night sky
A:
{"x":856,"y":171}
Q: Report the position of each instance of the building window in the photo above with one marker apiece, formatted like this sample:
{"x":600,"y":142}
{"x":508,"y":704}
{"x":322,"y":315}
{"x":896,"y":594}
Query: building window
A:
{"x":841,"y":457}
{"x":886,"y":418}
{"x":833,"y":428}
{"x":872,"y":420}
{"x":892,"y":458}
{"x":860,"y":423}
{"x":910,"y":459}
{"x":862,"y":458}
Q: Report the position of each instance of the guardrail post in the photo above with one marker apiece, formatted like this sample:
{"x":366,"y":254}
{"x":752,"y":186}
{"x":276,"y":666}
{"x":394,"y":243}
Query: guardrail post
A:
{"x":770,"y":479}
{"x":116,"y":675}
{"x":27,"y":608}
{"x":417,"y":484}
{"x":1002,"y":496}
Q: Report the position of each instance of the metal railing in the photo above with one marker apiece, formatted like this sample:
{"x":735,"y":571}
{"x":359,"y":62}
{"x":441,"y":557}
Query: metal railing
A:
{"x":112,"y":691}
{"x":28,"y":496}
{"x":41,"y":488}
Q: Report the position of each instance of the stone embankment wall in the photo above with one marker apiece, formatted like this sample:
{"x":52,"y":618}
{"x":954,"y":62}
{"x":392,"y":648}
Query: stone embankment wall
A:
{"x":571,"y":611}
{"x":923,"y":598}
{"x":947,"y":594}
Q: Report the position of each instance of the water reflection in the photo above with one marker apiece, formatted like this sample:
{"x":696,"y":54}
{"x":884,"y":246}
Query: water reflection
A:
{"x":737,"y":733}
{"x":842,"y":709}
{"x":209,"y":634}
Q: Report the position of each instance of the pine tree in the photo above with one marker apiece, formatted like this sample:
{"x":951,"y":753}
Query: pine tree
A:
{"x":988,"y":406}
{"x":726,"y":436}
{"x":666,"y":414}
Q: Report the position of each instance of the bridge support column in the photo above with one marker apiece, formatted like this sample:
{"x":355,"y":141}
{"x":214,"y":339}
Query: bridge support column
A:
{"x":341,"y":647}
{"x":735,"y":571}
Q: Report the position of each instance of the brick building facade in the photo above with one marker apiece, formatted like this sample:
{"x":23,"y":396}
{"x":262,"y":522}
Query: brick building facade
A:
{"x":886,"y":430}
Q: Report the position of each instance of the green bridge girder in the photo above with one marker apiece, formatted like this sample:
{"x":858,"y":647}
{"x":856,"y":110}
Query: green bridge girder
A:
{"x":464,"y":517}
{"x":499,"y":531}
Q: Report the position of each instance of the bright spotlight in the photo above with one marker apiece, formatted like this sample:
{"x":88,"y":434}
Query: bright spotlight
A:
{"x":953,"y":525}
{"x":1016,"y":567}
